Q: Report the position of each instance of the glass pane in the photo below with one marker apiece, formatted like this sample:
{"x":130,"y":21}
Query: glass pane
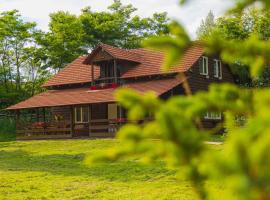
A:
{"x":201,"y":65}
{"x":216,"y":69}
{"x":78,"y":114}
{"x":220,"y":70}
{"x":85,"y":113}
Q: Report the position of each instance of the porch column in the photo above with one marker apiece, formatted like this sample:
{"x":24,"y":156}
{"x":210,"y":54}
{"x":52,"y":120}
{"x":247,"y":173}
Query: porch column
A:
{"x":44,"y":120}
{"x":37,"y":114}
{"x":89,"y":119}
{"x":115,"y":70}
{"x":44,"y":114}
{"x":71,"y":121}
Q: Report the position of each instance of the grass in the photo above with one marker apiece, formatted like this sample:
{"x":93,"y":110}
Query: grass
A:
{"x":56,"y":170}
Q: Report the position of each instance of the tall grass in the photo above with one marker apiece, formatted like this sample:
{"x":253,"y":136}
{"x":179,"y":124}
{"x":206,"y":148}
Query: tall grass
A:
{"x":7,"y":129}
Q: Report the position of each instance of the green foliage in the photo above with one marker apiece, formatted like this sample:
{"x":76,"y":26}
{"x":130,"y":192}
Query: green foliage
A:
{"x":7,"y":129}
{"x":244,"y":164}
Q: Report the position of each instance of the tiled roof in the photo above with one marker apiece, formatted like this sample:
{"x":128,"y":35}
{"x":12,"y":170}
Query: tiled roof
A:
{"x":75,"y":72}
{"x":149,"y":63}
{"x":153,"y":60}
{"x":86,"y":96}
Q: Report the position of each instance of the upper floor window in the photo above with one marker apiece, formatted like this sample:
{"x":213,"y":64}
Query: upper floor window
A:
{"x":203,"y":65}
{"x":212,"y":115}
{"x":217,"y":69}
{"x":81,"y":114}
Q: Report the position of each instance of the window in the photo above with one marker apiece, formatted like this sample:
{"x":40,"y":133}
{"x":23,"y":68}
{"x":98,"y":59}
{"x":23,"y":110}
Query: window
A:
{"x":217,"y":69}
{"x":81,"y":114}
{"x":203,"y":64}
{"x":212,"y":115}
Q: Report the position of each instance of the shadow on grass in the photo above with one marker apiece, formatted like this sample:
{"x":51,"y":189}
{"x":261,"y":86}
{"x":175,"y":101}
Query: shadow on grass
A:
{"x":72,"y":165}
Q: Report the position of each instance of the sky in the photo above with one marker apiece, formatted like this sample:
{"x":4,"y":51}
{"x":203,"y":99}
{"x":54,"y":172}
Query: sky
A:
{"x":189,"y":15}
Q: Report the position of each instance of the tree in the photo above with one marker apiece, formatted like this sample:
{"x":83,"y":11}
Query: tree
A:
{"x":241,"y":26}
{"x":243,"y":164}
{"x":70,"y":35}
{"x":206,"y":25}
{"x":17,"y":42}
{"x":63,"y":43}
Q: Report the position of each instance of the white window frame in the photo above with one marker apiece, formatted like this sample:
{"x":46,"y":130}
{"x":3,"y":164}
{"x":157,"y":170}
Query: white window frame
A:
{"x":213,"y":115}
{"x":217,"y":69}
{"x":204,"y":67}
{"x":81,"y":111}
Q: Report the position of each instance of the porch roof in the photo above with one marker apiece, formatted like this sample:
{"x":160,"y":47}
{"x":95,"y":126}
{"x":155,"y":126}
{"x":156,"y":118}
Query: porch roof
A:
{"x":80,"y":96}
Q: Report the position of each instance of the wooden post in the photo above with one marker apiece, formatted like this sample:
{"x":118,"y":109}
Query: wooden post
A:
{"x":115,"y":70}
{"x":89,"y":119}
{"x":37,"y":114}
{"x":44,"y":114}
{"x":71,"y":121}
{"x":44,"y":120}
{"x":93,"y":75}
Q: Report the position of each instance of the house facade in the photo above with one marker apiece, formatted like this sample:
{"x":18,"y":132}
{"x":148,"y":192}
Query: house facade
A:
{"x":79,"y":100}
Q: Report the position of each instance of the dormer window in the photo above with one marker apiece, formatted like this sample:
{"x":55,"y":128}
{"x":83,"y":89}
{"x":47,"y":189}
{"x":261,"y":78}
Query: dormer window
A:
{"x":203,"y":65}
{"x":217,"y":69}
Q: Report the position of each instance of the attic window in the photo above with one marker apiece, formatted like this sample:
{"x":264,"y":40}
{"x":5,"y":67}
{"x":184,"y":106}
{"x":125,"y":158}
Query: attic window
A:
{"x":203,"y":65}
{"x":217,"y":69}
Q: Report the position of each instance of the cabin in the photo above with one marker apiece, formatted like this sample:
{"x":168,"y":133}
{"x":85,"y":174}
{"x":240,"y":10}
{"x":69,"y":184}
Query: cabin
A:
{"x":79,"y":100}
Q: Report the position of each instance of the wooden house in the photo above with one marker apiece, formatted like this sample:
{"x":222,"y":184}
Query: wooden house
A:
{"x":79,"y":99}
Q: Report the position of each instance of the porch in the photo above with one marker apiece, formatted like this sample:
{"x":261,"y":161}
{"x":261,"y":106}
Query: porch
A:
{"x":93,"y":121}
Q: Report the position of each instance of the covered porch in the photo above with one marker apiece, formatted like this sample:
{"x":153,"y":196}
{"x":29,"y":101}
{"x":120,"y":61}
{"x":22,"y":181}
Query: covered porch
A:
{"x":80,"y":112}
{"x":92,"y":120}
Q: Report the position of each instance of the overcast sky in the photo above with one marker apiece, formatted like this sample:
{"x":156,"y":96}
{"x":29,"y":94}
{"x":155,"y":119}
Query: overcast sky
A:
{"x":190,"y":15}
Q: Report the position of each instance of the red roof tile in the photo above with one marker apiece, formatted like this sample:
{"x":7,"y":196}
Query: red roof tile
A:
{"x":75,"y":72}
{"x":86,"y":96}
{"x":153,"y":60}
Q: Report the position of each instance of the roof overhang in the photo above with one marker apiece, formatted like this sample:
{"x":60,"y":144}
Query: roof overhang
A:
{"x":80,"y":96}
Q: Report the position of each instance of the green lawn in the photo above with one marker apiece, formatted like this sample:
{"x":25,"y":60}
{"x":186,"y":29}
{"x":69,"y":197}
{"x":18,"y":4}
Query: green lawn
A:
{"x":55,"y":170}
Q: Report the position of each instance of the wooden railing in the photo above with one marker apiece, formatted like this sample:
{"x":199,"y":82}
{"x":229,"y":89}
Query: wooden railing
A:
{"x":63,"y":129}
{"x":27,"y":130}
